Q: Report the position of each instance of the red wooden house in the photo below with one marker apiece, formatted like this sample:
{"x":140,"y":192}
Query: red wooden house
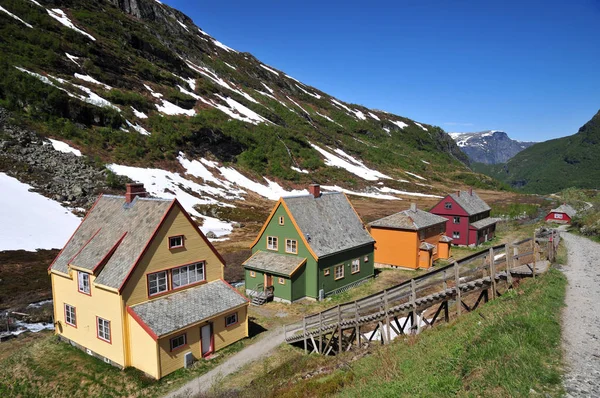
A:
{"x":562,"y":214}
{"x":469,"y":222}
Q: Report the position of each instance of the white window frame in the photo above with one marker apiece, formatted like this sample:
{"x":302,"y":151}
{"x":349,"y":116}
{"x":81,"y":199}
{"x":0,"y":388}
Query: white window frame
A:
{"x":291,"y":246}
{"x":154,"y":278}
{"x":558,"y":216}
{"x":456,"y":220}
{"x":456,"y":235}
{"x":252,"y":274}
{"x":103,"y":329}
{"x":70,"y":315}
{"x":281,"y":280}
{"x":448,"y":205}
{"x":338,"y":275}
{"x":176,"y":340}
{"x":355,"y":267}
{"x":272,"y":243}
{"x":231,"y":319}
{"x":83,"y":283}
{"x":187,"y":275}
{"x":172,"y":246}
{"x":281,"y":220}
{"x":326,"y":271}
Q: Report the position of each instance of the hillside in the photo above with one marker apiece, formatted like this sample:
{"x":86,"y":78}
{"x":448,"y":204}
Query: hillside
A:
{"x":554,"y":165}
{"x":136,"y":87}
{"x":489,"y":147}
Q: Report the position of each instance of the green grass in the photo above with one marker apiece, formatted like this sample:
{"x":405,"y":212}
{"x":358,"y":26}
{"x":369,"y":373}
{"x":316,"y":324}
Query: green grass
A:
{"x":506,"y":348}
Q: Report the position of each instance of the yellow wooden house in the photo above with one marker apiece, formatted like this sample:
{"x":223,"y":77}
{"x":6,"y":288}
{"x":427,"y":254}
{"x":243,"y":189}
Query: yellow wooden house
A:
{"x":138,"y":284}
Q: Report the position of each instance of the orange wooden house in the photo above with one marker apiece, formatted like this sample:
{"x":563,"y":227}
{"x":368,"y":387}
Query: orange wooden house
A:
{"x":412,"y":238}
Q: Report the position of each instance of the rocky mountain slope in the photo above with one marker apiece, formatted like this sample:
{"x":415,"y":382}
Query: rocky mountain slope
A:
{"x":489,"y":147}
{"x":554,"y":165}
{"x":135,"y":85}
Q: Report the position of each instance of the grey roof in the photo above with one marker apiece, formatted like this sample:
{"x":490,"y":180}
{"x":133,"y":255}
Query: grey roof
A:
{"x":565,"y":208}
{"x":179,"y":310}
{"x":484,"y":223}
{"x":330,"y":221}
{"x":274,"y":262}
{"x":426,"y":246}
{"x":409,"y":219}
{"x":470,"y":202}
{"x":109,"y":221}
{"x":446,"y":239}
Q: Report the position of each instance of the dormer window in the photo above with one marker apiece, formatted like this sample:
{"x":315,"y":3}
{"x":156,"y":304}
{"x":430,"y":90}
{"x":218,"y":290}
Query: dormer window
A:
{"x":175,"y":242}
{"x":281,"y":220}
{"x":448,"y":205}
{"x":83,"y":282}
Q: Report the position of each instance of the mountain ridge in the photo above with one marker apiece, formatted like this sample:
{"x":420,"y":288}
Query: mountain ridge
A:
{"x":489,"y":147}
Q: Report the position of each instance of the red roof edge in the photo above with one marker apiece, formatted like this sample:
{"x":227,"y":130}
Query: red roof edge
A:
{"x":72,"y":235}
{"x":109,"y":254}
{"x":235,"y":290}
{"x":140,"y":322}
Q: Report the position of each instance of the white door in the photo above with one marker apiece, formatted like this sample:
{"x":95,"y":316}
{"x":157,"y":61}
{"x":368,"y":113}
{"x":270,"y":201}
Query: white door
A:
{"x":206,"y":333}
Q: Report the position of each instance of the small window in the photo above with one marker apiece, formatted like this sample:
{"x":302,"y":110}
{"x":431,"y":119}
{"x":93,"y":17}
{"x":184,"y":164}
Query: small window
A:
{"x":179,"y":341}
{"x":157,"y":283}
{"x":252,"y":274}
{"x":355,"y":266}
{"x":366,"y":259}
{"x":291,"y":246}
{"x":231,"y":319}
{"x":326,"y":272}
{"x":456,"y":234}
{"x":187,"y":275}
{"x":558,"y":215}
{"x":281,"y":281}
{"x":448,"y":205}
{"x":281,"y":220}
{"x":70,"y":316}
{"x":175,"y":242}
{"x":339,"y":271}
{"x":83,"y":280}
{"x":272,"y":243}
{"x":456,"y":220}
{"x":103,"y":329}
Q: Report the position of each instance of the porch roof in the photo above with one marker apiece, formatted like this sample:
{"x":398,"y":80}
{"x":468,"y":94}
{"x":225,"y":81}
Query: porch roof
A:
{"x":486,"y":222}
{"x":275,"y":263}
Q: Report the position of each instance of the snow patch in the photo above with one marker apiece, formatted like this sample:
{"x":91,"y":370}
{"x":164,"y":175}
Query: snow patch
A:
{"x":268,"y":88}
{"x":90,"y":79}
{"x":73,"y":58}
{"x":138,"y":128}
{"x":350,"y":164}
{"x":354,"y":193}
{"x":31,"y":221}
{"x":183,"y":25}
{"x":215,"y":78}
{"x":169,"y":108}
{"x":299,"y":170}
{"x":317,"y":96}
{"x":243,"y":113}
{"x":407,"y":193}
{"x":61,"y":17}
{"x":138,"y":114}
{"x":64,"y":147}
{"x":223,"y":46}
{"x":231,"y":66}
{"x":374,"y":116}
{"x":421,"y":126}
{"x":399,"y":124}
{"x":15,"y":17}
{"x":152,"y":92}
{"x":415,"y":175}
{"x":424,"y":161}
{"x":269,"y":69}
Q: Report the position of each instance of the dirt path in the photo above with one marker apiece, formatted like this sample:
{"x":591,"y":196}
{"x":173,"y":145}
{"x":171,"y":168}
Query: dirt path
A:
{"x":204,"y":383}
{"x":581,"y":317}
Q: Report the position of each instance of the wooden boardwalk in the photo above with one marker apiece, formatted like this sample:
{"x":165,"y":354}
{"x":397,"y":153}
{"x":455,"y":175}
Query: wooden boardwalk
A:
{"x":422,"y":301}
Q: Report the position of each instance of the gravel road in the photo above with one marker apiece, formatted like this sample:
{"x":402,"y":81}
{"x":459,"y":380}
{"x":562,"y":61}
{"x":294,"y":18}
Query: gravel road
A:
{"x":581,"y":317}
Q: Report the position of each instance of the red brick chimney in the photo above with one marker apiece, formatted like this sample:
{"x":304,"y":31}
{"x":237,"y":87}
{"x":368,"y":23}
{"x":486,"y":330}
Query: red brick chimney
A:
{"x":457,"y":193}
{"x":471,"y":191}
{"x":133,"y":190}
{"x":314,"y":190}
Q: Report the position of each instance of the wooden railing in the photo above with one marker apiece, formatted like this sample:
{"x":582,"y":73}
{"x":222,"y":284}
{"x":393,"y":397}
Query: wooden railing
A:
{"x":410,"y":294}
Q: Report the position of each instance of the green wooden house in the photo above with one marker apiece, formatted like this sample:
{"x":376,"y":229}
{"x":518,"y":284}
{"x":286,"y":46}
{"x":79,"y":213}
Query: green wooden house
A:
{"x":311,"y":246}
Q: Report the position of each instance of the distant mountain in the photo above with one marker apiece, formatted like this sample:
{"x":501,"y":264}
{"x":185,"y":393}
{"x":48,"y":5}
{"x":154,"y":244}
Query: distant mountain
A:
{"x":554,"y":165}
{"x":489,"y":147}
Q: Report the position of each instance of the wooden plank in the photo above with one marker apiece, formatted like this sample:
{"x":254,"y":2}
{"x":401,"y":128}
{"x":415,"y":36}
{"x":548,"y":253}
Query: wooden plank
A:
{"x":509,"y":259}
{"x":413,"y":302}
{"x":304,"y":333}
{"x":339,"y":328}
{"x":533,"y":250}
{"x":387,"y":316}
{"x":320,"y":332}
{"x":493,"y":272}
{"x":457,"y":281}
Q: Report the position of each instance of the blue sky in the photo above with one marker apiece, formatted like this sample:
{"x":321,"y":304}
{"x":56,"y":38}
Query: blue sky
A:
{"x":529,"y":68}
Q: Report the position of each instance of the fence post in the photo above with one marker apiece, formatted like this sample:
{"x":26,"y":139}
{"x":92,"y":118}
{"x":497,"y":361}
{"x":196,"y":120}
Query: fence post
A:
{"x":457,"y":281}
{"x":387,"y":316}
{"x":493,"y":272}
{"x":304,"y":334}
{"x":357,"y":325}
{"x":320,"y":332}
{"x":534,"y":256}
{"x":413,"y":302}
{"x":509,"y":258}
{"x":445,"y":283}
{"x":516,"y":254}
{"x":340,"y":330}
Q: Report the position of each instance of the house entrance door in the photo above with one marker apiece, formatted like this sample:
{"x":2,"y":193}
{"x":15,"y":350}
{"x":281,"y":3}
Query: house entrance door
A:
{"x":207,"y":341}
{"x":268,"y":280}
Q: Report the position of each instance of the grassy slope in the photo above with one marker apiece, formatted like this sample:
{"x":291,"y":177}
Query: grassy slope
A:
{"x":554,"y":165}
{"x":505,"y":348}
